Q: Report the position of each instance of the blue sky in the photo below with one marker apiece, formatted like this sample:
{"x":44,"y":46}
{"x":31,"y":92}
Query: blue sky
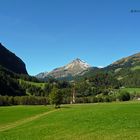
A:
{"x":50,"y":33}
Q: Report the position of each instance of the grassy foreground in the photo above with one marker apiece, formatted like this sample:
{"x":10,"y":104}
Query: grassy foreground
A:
{"x":107,"y":121}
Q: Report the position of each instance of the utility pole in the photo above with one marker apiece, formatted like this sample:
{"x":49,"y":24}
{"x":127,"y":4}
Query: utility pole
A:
{"x":73,"y":94}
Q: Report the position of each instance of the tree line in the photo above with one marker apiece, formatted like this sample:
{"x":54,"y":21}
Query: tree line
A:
{"x":56,"y":98}
{"x":98,"y":88}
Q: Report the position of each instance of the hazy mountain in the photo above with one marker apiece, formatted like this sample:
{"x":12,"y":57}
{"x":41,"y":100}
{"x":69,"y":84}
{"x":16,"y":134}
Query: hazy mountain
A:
{"x":74,"y":68}
{"x":10,"y":61}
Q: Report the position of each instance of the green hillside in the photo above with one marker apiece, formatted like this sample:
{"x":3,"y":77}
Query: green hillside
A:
{"x":41,"y":85}
{"x":126,"y":70}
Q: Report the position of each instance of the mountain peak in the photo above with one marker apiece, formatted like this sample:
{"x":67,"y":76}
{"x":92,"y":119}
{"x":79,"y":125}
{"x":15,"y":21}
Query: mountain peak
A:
{"x":77,"y":59}
{"x":77,"y":63}
{"x":75,"y":67}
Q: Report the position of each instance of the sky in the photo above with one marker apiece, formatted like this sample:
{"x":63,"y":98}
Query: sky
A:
{"x":47,"y":34}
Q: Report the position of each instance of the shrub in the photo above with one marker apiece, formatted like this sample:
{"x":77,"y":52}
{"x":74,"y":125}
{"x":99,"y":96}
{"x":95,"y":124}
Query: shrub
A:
{"x":124,"y":96}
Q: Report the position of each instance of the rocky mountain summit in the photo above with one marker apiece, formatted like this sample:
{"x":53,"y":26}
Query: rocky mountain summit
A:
{"x":74,"y":68}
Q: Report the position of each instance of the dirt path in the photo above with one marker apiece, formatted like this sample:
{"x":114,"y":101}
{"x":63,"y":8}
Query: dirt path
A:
{"x":20,"y":122}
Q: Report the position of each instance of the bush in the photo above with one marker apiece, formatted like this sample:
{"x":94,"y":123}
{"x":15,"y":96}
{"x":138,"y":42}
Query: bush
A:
{"x":124,"y":96}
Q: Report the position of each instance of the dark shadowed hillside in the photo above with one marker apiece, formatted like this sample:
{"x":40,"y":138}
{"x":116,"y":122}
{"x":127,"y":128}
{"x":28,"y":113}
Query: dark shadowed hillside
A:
{"x":10,"y":61}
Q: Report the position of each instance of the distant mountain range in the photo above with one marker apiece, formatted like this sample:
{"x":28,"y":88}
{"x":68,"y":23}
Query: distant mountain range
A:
{"x":78,"y":67}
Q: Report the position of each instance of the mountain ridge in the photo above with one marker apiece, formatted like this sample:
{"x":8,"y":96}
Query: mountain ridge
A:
{"x":125,"y":62}
{"x":117,"y":68}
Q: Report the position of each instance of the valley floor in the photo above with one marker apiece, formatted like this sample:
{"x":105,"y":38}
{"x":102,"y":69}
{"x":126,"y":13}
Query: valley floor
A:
{"x":104,"y":121}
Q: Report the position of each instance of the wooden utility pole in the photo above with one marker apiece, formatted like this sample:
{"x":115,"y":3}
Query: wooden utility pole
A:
{"x":73,"y":94}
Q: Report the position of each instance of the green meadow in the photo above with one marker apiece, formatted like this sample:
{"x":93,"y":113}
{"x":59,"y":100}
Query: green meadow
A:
{"x":103,"y":121}
{"x":32,"y":83}
{"x":132,"y":90}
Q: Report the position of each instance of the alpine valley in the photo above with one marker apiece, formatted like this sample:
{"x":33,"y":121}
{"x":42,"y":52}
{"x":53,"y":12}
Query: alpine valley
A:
{"x":69,"y":70}
{"x":79,"y":76}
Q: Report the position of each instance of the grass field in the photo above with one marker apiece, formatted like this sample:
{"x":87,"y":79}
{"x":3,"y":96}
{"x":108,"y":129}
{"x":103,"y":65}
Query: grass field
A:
{"x":135,"y":68}
{"x":106,"y":121}
{"x":15,"y":113}
{"x":132,"y":90}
